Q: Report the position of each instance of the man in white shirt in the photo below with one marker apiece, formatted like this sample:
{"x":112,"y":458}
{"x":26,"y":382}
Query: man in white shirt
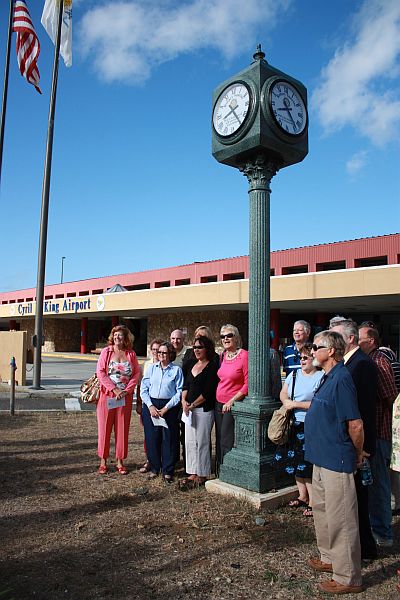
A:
{"x":176,"y":338}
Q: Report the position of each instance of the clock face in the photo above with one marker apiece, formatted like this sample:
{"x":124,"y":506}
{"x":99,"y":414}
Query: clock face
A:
{"x":288,"y":108}
{"x":231,"y":109}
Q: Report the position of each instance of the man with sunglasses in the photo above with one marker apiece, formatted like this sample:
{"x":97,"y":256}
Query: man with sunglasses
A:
{"x":334,"y":439}
{"x":291,"y":354}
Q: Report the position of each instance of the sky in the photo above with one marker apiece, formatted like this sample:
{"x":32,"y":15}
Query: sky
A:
{"x":134,"y":185}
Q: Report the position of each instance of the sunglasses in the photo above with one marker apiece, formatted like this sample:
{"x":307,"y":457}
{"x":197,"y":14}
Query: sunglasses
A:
{"x":161,"y":352}
{"x":305,"y":357}
{"x":227,"y":335}
{"x":315,"y":347}
{"x":198,"y":347}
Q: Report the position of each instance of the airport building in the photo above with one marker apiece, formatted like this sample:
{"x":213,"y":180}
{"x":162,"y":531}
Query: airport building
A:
{"x":355,"y":278}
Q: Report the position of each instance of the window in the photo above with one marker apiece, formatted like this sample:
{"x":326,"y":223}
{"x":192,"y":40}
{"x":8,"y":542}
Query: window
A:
{"x":46,"y":298}
{"x":97,"y":292}
{"x":182,"y":282}
{"x":375,"y":261}
{"x":138,"y":286}
{"x":208,"y":279}
{"x":331,"y":266}
{"x":232,"y":276}
{"x":295,"y":270}
{"x":161,"y":284}
{"x":86,"y":293}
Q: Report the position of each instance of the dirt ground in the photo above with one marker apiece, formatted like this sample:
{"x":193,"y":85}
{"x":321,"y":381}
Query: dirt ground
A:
{"x":66,"y":532}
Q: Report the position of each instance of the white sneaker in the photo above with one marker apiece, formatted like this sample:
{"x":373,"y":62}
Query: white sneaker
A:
{"x":383,"y":542}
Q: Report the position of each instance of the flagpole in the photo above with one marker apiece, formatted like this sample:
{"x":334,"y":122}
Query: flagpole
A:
{"x":38,"y":336}
{"x":5,"y":87}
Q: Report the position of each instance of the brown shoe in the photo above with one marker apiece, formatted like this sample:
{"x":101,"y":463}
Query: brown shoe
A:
{"x":333,"y":587}
{"x":318,"y":565}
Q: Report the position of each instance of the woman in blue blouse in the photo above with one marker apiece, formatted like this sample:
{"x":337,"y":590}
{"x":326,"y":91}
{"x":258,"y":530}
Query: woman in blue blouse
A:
{"x":161,"y":391}
{"x":307,"y":379}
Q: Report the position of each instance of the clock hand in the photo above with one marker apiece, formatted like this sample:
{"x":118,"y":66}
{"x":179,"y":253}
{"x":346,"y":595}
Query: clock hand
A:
{"x":288,"y":110}
{"x":234,"y":112}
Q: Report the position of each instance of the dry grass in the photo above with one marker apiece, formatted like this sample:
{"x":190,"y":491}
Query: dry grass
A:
{"x":68,"y":533}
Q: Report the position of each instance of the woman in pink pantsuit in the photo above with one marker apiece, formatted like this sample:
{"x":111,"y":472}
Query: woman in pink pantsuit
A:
{"x":118,"y":372}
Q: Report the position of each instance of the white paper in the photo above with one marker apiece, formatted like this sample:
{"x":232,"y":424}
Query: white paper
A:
{"x":114,"y":403}
{"x":187,"y":419}
{"x":159,"y":421}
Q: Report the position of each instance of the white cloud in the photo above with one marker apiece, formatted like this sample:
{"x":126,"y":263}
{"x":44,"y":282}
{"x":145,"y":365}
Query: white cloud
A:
{"x":360,"y":85}
{"x":127,"y":39}
{"x":357,"y":162}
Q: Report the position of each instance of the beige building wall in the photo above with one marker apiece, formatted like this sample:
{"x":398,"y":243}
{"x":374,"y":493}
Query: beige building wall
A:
{"x":13,"y":344}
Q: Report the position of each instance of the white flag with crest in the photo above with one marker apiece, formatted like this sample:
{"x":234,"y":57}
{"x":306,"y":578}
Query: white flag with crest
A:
{"x":49,"y":22}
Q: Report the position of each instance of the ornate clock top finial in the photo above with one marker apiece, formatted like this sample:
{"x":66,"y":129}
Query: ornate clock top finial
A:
{"x":259,"y":55}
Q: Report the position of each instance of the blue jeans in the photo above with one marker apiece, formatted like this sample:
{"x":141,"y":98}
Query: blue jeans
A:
{"x":379,"y":496}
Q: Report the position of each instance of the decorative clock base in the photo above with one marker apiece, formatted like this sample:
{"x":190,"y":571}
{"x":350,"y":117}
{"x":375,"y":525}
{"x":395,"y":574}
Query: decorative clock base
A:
{"x":251,"y":464}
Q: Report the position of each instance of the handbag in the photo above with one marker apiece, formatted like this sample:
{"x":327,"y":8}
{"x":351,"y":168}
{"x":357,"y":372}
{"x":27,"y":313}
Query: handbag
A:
{"x":281,"y":421}
{"x":90,"y":390}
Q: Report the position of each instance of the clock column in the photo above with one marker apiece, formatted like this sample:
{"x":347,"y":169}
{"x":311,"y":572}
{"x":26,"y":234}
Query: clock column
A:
{"x":251,"y":464}
{"x":271,"y":135}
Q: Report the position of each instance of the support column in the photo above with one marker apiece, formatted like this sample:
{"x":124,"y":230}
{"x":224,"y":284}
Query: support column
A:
{"x":84,"y":331}
{"x":275,"y":314}
{"x":321,"y":321}
{"x":114,"y":320}
{"x":250,"y":464}
{"x":12,"y":325}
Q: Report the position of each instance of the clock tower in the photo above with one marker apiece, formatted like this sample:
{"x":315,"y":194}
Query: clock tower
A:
{"x":259,"y":126}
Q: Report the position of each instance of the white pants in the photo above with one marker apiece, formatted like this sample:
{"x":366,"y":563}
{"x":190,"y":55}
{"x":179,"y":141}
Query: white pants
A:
{"x":198,"y":443}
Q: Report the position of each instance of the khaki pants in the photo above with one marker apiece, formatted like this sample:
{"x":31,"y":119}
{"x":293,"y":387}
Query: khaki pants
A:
{"x":336,"y":523}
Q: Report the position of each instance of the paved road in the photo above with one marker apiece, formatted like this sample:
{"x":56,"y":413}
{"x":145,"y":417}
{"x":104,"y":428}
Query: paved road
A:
{"x":61,"y":378}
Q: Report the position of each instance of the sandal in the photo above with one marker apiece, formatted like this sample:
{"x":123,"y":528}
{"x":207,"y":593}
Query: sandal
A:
{"x":168,"y":478}
{"x":297,"y":503}
{"x":122,"y":470}
{"x":186,"y":484}
{"x":152,"y":475}
{"x":145,"y":468}
{"x":102,"y":470}
{"x":308,"y":512}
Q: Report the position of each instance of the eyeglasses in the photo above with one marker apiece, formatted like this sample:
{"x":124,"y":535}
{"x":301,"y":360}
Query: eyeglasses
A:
{"x":315,"y":347}
{"x":226,"y":335}
{"x":305,"y":357}
{"x":198,"y":347}
{"x":161,"y":352}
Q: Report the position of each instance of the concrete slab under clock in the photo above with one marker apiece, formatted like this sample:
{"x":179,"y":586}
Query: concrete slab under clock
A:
{"x":269,"y":500}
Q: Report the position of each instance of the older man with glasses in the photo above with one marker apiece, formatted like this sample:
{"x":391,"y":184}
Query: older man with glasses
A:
{"x":334,"y":438}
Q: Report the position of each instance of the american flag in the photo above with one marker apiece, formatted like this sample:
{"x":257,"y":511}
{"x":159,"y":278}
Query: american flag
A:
{"x":28,"y":47}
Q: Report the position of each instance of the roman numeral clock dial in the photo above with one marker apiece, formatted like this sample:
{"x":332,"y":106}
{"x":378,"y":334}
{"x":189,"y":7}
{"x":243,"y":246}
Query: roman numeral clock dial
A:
{"x":231,"y":109}
{"x":287,"y":108}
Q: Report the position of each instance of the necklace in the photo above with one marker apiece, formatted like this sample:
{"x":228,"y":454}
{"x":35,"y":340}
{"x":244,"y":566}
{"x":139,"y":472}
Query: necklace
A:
{"x":231,"y":355}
